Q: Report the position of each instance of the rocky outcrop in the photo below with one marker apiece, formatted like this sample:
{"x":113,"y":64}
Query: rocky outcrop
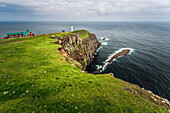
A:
{"x":90,"y":46}
{"x":82,"y":50}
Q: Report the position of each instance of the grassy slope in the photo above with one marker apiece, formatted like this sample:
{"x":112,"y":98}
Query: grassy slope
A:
{"x":63,"y":88}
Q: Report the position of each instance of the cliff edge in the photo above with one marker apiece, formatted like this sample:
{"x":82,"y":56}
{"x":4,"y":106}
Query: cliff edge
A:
{"x":80,"y":45}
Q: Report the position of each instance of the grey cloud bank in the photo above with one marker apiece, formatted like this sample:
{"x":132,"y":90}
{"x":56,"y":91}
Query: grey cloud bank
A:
{"x":84,"y":10}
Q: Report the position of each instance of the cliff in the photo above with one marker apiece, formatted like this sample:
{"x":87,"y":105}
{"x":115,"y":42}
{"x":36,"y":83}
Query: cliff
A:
{"x":81,"y":49}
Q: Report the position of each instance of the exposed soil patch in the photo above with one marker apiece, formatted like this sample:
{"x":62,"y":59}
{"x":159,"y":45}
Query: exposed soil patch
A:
{"x":63,"y":53}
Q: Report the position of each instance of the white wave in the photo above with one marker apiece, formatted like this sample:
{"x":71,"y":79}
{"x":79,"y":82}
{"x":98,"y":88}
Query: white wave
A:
{"x":101,"y":38}
{"x":107,"y":39}
{"x":98,"y":49}
{"x":104,"y":43}
{"x":98,"y":66}
{"x":103,"y":67}
{"x":121,"y":49}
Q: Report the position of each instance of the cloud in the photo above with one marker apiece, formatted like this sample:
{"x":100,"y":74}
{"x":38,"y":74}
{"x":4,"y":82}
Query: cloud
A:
{"x":2,"y":5}
{"x":14,"y":9}
{"x":94,"y":8}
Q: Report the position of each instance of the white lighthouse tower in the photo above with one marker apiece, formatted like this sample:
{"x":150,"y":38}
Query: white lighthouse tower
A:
{"x":72,"y":28}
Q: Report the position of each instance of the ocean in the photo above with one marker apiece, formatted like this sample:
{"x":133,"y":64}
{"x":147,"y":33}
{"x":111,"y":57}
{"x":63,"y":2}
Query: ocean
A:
{"x":147,"y":65}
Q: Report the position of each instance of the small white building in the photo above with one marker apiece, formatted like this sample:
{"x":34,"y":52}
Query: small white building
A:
{"x":72,"y":28}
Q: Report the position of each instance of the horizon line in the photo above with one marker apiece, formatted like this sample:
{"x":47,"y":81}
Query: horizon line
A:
{"x":85,"y":21}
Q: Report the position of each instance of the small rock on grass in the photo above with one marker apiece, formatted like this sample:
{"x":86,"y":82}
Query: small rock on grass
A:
{"x":5,"y":92}
{"x":75,"y":107}
{"x":27,"y":91}
{"x":9,"y":76}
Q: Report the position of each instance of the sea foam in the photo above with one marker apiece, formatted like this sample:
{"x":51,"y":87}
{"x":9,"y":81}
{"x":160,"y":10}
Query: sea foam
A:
{"x":104,"y":43}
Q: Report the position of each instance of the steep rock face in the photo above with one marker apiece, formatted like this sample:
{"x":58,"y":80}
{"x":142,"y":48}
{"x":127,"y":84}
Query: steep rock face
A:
{"x":80,"y":49}
{"x":90,"y":46}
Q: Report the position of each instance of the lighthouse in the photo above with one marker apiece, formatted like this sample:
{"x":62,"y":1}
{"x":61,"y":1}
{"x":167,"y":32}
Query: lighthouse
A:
{"x":71,"y":28}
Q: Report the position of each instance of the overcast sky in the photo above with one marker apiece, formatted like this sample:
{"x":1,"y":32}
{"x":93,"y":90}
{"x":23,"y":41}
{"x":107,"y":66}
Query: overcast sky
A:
{"x":84,"y":10}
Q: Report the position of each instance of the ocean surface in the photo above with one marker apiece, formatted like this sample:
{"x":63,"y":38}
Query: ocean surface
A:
{"x":147,"y":65}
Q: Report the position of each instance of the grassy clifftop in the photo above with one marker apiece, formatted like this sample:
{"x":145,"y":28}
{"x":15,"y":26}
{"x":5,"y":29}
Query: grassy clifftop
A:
{"x":34,"y":77}
{"x":82,"y":33}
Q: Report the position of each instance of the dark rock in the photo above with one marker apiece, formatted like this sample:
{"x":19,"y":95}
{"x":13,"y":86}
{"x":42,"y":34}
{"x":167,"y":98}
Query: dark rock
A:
{"x":128,"y":89}
{"x":57,"y":78}
{"x":54,"y":42}
{"x":59,"y":48}
{"x":35,"y":75}
{"x":70,"y":85}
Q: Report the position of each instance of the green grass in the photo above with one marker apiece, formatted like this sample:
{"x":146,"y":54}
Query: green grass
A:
{"x":41,"y":80}
{"x":82,"y":33}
